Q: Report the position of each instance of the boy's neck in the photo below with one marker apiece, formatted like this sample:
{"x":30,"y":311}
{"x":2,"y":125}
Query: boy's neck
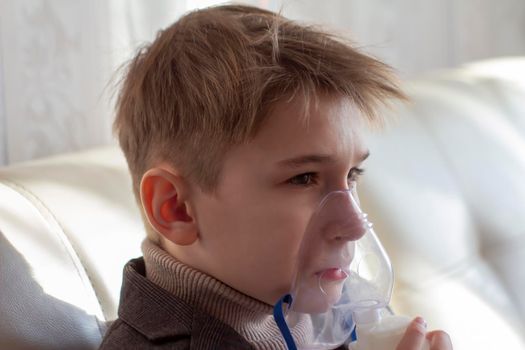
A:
{"x":251,"y":318}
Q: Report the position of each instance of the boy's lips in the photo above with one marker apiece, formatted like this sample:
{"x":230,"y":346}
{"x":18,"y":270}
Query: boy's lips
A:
{"x":332,"y":274}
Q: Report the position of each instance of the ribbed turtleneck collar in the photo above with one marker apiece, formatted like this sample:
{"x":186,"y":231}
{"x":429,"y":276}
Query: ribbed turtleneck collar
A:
{"x":251,"y":318}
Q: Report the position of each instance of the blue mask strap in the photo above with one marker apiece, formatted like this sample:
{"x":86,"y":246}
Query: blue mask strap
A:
{"x":281,"y":322}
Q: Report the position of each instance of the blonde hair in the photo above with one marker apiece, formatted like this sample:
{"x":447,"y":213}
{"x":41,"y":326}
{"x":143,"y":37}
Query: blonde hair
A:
{"x":208,"y":81}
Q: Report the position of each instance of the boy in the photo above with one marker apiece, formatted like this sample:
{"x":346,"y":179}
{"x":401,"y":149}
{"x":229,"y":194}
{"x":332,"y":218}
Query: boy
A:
{"x":235,"y":123}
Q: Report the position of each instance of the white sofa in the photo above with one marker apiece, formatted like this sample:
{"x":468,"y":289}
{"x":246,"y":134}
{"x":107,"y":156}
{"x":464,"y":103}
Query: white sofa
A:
{"x":445,"y":187}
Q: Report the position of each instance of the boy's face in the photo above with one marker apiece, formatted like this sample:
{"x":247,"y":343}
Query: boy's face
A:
{"x":250,"y":229}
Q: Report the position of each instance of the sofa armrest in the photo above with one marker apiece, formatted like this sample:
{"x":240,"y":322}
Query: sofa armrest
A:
{"x":68,"y":224}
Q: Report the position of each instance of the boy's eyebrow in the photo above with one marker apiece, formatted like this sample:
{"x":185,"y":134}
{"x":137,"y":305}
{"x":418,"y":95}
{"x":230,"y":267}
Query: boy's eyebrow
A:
{"x":313,"y":158}
{"x":364,"y":156}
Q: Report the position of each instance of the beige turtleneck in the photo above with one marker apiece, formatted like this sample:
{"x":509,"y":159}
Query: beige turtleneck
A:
{"x":251,"y":318}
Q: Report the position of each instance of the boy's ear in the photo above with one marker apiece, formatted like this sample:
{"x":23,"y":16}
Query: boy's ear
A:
{"x":163,"y":197}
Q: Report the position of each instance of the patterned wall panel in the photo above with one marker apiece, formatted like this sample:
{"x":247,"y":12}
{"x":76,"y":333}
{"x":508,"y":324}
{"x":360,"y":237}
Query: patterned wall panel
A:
{"x":53,"y":78}
{"x":416,"y":36}
{"x":57,"y":56}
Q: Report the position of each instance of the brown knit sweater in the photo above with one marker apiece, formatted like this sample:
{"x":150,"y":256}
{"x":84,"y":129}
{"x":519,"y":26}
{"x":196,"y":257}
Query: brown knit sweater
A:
{"x":251,"y":318}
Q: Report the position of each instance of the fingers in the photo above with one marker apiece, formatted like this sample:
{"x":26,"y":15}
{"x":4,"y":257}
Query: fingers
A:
{"x":414,"y":337}
{"x":439,"y":340}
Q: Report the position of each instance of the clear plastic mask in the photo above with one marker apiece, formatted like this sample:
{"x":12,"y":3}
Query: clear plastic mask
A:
{"x":342,"y":273}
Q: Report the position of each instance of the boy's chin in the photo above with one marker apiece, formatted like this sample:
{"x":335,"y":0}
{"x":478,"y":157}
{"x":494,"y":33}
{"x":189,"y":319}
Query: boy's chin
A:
{"x":317,"y":301}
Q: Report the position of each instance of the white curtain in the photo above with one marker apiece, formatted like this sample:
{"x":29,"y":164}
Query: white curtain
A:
{"x":58,"y":56}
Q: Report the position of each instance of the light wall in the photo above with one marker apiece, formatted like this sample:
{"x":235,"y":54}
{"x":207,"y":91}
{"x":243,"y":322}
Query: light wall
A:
{"x":57,"y":57}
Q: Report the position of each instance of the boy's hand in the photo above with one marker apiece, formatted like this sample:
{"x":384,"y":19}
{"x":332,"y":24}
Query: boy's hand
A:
{"x":416,"y":336}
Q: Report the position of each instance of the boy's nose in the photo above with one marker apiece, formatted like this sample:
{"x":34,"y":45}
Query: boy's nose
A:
{"x":344,"y":219}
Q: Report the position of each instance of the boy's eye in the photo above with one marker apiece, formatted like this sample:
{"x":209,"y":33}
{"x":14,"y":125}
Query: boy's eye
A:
{"x":308,"y":179}
{"x":354,"y":174}
{"x":305,"y":179}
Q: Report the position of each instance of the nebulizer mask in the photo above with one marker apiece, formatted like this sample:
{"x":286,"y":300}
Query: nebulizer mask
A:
{"x":343,"y":278}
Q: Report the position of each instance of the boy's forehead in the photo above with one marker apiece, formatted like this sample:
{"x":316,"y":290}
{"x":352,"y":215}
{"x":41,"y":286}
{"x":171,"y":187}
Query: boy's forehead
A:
{"x":331,"y":136}
{"x":329,"y":125}
{"x":330,"y":132}
{"x":311,"y":113}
